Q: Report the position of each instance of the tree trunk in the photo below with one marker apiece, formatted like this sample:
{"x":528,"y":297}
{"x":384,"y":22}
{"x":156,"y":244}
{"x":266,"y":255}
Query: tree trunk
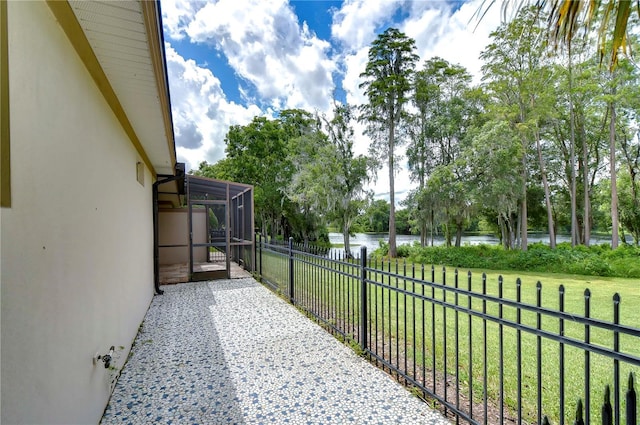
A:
{"x":432,"y":225}
{"x":458,"y":234}
{"x":347,"y":244}
{"x":585,"y":177}
{"x":573,"y":194}
{"x":518,"y":231}
{"x":572,"y":158}
{"x":524,"y":241}
{"x":503,"y":232}
{"x":274,"y":226}
{"x":574,"y":216}
{"x":623,"y":236}
{"x":447,"y":234}
{"x":612,"y":170}
{"x":522,"y":224}
{"x":263,"y":224}
{"x":422,"y":219}
{"x":511,"y":231}
{"x":392,"y":209}
{"x":547,"y":195}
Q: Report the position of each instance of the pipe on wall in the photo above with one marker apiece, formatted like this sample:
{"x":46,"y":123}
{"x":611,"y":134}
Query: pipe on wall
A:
{"x":179,"y":174}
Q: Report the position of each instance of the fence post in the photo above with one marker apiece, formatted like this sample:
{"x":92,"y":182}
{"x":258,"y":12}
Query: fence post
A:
{"x":260,"y":245}
{"x":616,"y":362}
{"x":363,"y":298}
{"x":291,"y":270}
{"x":256,"y":243}
{"x":632,"y":408}
{"x":587,"y":354}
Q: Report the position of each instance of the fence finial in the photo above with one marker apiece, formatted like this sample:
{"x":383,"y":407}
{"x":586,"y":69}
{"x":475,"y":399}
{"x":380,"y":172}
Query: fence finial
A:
{"x":607,"y":414}
{"x":579,"y":420}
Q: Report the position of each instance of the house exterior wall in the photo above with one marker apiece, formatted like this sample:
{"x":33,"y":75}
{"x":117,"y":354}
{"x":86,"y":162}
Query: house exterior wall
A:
{"x":77,"y":241}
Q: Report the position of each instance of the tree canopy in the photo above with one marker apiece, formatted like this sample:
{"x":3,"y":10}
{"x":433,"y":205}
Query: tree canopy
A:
{"x":548,"y":141}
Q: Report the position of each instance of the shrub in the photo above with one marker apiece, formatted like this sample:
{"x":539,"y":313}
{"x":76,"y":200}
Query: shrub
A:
{"x":403,"y":251}
{"x":383,"y":249}
{"x":599,"y":260}
{"x":593,"y":266}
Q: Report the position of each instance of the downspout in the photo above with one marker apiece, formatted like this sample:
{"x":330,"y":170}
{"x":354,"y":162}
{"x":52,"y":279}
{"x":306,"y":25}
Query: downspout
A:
{"x":156,"y":232}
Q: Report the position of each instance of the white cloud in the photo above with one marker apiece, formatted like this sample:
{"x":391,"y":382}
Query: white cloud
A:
{"x":201,"y":113}
{"x":457,"y":36}
{"x":264,"y":44}
{"x":356,"y":22}
{"x":177,"y":15}
{"x":354,"y":65}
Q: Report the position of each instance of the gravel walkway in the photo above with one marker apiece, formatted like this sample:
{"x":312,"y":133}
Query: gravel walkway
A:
{"x":232,"y":352}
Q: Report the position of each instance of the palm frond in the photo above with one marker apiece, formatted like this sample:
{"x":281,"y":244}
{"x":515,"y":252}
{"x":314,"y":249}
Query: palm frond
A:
{"x":567,"y":18}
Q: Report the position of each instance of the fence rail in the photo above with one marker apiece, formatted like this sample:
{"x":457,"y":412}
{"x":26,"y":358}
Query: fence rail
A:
{"x":485,"y":356}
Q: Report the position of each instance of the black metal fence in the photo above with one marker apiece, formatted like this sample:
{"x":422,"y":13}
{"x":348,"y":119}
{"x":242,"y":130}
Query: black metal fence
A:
{"x":484,"y":352}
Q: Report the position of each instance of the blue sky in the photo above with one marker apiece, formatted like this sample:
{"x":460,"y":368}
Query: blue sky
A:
{"x":230,"y":60}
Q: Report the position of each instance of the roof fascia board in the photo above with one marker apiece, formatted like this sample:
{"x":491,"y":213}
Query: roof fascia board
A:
{"x":5,"y":134}
{"x":70,"y":25}
{"x":209,"y":179}
{"x":155,"y":38}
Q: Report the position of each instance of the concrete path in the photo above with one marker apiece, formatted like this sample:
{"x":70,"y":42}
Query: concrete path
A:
{"x":232,"y":352}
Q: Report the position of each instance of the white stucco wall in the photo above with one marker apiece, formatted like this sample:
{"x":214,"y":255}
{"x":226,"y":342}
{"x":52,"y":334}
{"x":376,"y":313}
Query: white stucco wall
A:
{"x":77,"y":243}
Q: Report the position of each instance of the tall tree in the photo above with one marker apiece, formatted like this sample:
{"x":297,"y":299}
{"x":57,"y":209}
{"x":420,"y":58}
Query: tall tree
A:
{"x":311,"y":157}
{"x":444,"y":108}
{"x":257,"y":153}
{"x":623,"y":82}
{"x":329,"y":180}
{"x":493,"y":159}
{"x":420,"y":157}
{"x":387,"y":84}
{"x":305,"y":141}
{"x":572,"y":155}
{"x":612,"y":166}
{"x":574,"y":136}
{"x":448,"y":188}
{"x":629,"y":183}
{"x":513,"y":67}
{"x":350,"y":170}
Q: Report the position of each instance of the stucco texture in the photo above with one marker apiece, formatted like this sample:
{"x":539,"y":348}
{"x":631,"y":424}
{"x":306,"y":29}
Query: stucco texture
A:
{"x":77,"y":242}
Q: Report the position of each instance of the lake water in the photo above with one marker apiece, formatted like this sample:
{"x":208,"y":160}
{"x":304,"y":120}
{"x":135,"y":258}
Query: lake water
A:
{"x":371,"y":240}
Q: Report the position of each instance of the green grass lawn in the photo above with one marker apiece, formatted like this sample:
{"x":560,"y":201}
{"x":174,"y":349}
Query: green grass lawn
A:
{"x":602,"y":290}
{"x":413,"y":332}
{"x":341,"y":245}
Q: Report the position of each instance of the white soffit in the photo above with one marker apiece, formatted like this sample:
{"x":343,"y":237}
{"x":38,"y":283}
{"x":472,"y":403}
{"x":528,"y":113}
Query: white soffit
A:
{"x":117,"y":34}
